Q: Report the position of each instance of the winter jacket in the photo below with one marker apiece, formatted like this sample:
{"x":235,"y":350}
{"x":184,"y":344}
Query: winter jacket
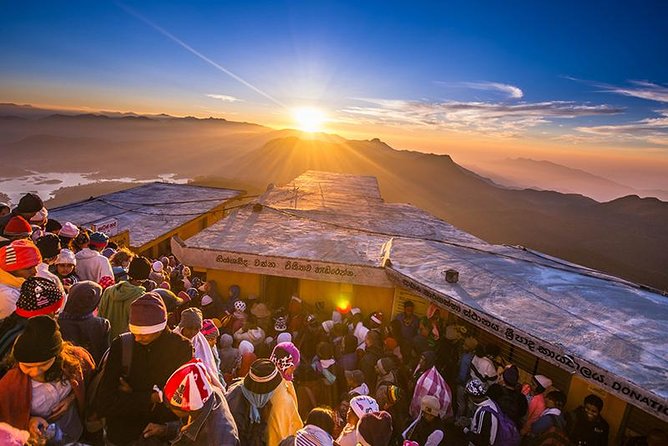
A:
{"x":214,"y":425}
{"x":80,"y":327}
{"x":426,"y":433}
{"x":10,"y":289}
{"x":484,"y":425}
{"x":115,"y":305}
{"x":127,"y":414}
{"x":16,"y":389}
{"x":284,"y":419}
{"x":250,"y":434}
{"x":511,"y":402}
{"x":368,"y":365}
{"x":91,"y":265}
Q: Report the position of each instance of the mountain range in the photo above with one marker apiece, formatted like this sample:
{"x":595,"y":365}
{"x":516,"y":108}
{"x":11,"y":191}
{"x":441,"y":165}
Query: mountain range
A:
{"x":626,"y":236}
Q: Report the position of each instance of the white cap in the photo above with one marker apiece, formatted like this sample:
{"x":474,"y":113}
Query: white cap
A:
{"x":158,"y":266}
{"x":40,"y":216}
{"x":66,"y":257}
{"x":206,"y":300}
{"x":355,"y":311}
{"x":362,"y":404}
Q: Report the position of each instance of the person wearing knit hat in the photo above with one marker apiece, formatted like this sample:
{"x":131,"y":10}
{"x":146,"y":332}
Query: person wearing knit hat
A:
{"x":53,"y":226}
{"x":204,"y":414}
{"x":45,"y":382}
{"x":28,"y":206}
{"x":116,"y":300}
{"x":17,"y":228}
{"x":157,"y":273}
{"x":386,"y":368}
{"x":318,"y":429}
{"x":129,"y":397}
{"x":230,"y":357}
{"x":79,"y":324}
{"x":49,"y":248}
{"x":286,"y":357}
{"x":68,"y":231}
{"x":355,"y":382}
{"x":483,"y":426}
{"x":376,"y":319}
{"x":91,"y":264}
{"x":98,"y":241}
{"x":18,"y":261}
{"x":359,"y":406}
{"x":248,"y":400}
{"x":539,"y":384}
{"x":39,"y":296}
{"x":427,"y":428}
{"x":190,"y":326}
{"x":40,"y":218}
{"x":63,"y":268}
{"x":508,"y":395}
{"x":374,"y":429}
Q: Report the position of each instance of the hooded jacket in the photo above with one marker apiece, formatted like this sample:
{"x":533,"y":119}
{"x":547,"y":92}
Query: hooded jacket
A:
{"x":91,"y":265}
{"x":10,"y":288}
{"x":115,"y":305}
{"x":79,"y":326}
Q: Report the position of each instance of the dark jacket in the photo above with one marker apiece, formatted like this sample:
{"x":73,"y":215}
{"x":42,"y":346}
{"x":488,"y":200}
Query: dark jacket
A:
{"x":250,"y":434}
{"x":214,"y":424}
{"x":128,"y":414}
{"x":80,"y":327}
{"x":510,"y":401}
{"x":368,"y":365}
{"x":585,"y":432}
{"x":423,"y":429}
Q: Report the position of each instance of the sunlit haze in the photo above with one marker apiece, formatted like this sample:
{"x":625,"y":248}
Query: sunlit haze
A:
{"x":557,"y":81}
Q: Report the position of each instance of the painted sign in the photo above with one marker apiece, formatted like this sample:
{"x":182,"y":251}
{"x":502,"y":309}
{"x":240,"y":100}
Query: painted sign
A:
{"x":617,"y":386}
{"x":109,"y":227}
{"x":281,"y":266}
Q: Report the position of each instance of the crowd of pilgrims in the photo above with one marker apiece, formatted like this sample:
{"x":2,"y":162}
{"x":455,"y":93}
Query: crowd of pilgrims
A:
{"x":100,"y":346}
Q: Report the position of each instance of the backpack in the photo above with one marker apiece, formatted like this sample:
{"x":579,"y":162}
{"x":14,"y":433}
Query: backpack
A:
{"x":506,"y":433}
{"x":554,"y":436}
{"x":94,"y":424}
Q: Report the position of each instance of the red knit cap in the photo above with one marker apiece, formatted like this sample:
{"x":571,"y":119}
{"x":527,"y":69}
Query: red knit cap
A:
{"x":188,"y":388}
{"x":20,"y":254}
{"x":18,"y":226}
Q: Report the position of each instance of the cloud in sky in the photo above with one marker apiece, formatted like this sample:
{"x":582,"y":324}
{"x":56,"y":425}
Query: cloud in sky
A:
{"x":649,"y":130}
{"x":635,"y":89}
{"x":511,"y":91}
{"x":498,"y":119}
{"x":223,"y":97}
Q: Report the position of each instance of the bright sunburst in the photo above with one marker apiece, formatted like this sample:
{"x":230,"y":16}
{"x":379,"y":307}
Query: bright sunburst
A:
{"x":309,"y":119}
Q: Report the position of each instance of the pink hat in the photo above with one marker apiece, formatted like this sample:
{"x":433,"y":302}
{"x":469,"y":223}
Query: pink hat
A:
{"x":148,"y":314}
{"x":209,"y":329}
{"x":69,"y":230}
{"x":188,"y":388}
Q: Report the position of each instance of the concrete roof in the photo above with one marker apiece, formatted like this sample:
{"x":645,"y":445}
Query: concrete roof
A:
{"x":603,"y":328}
{"x":148,"y":211}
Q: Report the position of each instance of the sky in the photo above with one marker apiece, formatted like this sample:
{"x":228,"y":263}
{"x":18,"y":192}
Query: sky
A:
{"x":582,"y":83}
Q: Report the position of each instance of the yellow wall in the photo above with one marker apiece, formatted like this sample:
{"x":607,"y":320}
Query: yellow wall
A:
{"x":613,"y":407}
{"x":249,"y":283}
{"x":367,"y":298}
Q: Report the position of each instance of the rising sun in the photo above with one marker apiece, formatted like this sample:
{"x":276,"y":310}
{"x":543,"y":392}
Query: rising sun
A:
{"x":309,"y":119}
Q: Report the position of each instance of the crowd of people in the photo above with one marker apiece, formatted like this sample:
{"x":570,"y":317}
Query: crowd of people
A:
{"x":103,"y":347}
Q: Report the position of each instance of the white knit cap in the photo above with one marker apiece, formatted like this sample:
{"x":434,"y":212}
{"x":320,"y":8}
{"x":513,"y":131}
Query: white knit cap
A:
{"x":362,"y":404}
{"x":66,"y":257}
{"x":206,"y":300}
{"x":158,"y":266}
{"x":543,"y":380}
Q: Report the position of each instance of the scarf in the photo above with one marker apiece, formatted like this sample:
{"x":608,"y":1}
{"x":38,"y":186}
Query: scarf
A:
{"x":10,"y":280}
{"x":257,"y":402}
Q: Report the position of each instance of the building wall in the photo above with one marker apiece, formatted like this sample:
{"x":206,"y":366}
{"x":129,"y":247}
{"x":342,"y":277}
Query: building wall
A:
{"x":249,"y":283}
{"x":613,"y":407}
{"x":161,"y":245}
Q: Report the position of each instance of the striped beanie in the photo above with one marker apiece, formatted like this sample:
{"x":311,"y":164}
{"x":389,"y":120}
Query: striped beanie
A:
{"x":188,"y":388}
{"x":20,"y":254}
{"x":148,"y":314}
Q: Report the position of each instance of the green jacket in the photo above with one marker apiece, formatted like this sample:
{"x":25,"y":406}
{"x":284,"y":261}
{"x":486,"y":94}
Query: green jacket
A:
{"x":115,"y":305}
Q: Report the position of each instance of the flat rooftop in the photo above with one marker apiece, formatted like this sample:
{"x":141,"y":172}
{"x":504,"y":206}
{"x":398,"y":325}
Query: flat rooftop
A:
{"x":594,"y":325}
{"x":148,"y":211}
